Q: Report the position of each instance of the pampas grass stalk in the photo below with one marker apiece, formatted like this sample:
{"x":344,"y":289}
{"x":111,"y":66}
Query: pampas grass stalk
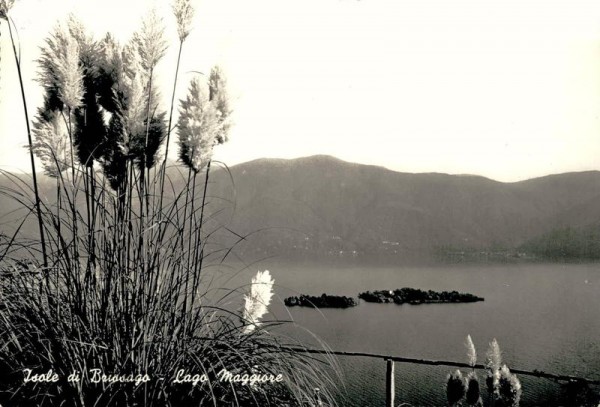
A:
{"x":493,"y":364}
{"x":455,"y":388}
{"x":473,"y":393}
{"x":5,"y":7}
{"x":184,"y":14}
{"x":151,"y":47}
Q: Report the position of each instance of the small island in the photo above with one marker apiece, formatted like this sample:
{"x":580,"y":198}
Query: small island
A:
{"x":324,"y":301}
{"x":416,"y":296}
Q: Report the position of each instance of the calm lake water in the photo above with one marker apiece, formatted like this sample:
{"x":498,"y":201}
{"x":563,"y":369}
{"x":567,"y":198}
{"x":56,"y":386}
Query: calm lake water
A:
{"x":544,"y":317}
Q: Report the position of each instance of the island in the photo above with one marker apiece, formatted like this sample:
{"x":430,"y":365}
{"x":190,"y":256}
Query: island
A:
{"x":416,"y":296}
{"x":324,"y":301}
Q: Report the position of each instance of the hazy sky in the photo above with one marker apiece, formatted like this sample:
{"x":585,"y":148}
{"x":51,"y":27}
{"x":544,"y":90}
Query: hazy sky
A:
{"x":504,"y":89}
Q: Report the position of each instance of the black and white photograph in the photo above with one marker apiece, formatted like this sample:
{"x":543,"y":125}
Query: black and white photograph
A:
{"x":299,"y":203}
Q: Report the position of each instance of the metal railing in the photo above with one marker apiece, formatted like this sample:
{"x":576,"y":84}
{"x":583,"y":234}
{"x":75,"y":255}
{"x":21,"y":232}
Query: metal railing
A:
{"x":390,"y":359}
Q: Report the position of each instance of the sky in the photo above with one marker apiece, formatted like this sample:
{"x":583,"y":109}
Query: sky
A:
{"x":505,"y":89}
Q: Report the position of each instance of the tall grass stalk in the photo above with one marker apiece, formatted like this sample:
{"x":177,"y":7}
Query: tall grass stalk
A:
{"x":6,"y":5}
{"x":123,"y":286}
{"x":184,"y":14}
{"x":455,"y":388}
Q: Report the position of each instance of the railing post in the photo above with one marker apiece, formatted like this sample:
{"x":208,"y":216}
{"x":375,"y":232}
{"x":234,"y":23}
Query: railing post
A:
{"x":389,"y":384}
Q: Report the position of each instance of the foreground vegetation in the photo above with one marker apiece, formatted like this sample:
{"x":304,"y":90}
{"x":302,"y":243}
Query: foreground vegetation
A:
{"x":503,"y":387}
{"x":108,"y":304}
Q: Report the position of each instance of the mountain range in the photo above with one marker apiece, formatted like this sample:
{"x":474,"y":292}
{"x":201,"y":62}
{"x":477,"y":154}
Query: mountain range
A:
{"x":320,"y":206}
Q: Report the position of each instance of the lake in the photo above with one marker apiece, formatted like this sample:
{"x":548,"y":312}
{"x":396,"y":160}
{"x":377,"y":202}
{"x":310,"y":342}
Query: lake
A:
{"x":544,"y":316}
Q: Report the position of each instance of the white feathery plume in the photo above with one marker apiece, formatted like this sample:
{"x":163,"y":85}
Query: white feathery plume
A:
{"x":130,"y":64}
{"x":471,"y":352}
{"x":5,"y":6}
{"x":150,"y":41}
{"x":219,"y":97}
{"x":52,"y":52}
{"x":493,"y":363}
{"x":110,"y":50}
{"x":494,"y":356}
{"x":124,"y":62}
{"x":76,"y":30}
{"x":111,"y":61}
{"x":60,"y":68}
{"x":257,"y":300}
{"x":506,"y":374}
{"x":184,"y":14}
{"x":509,"y":387}
{"x":134,"y":113}
{"x":52,"y":145}
{"x":198,"y":127}
{"x":70,"y":75}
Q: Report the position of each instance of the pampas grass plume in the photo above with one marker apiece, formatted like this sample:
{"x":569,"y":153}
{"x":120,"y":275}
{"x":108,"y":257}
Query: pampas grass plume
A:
{"x":471,"y":352}
{"x":494,"y":356}
{"x":198,"y":127}
{"x":219,"y":97}
{"x":52,"y":145}
{"x":184,"y":14}
{"x":150,"y":41}
{"x":70,"y":75}
{"x":133,"y":112}
{"x":5,"y":6}
{"x":509,"y":388}
{"x":493,"y":363}
{"x":257,"y":301}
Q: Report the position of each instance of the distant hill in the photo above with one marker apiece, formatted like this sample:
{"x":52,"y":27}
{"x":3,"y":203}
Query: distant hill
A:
{"x":322,"y":206}
{"x":566,"y":243}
